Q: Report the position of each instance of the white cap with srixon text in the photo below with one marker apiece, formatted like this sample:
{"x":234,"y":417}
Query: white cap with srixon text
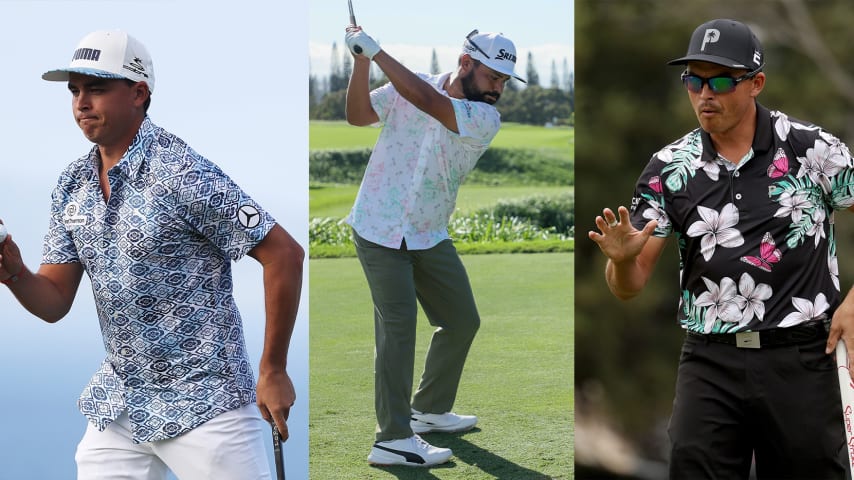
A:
{"x":108,"y":54}
{"x":493,"y":50}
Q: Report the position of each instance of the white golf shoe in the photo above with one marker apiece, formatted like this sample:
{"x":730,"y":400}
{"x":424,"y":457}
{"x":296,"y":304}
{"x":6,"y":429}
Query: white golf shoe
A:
{"x":412,"y":452}
{"x":445,"y":422}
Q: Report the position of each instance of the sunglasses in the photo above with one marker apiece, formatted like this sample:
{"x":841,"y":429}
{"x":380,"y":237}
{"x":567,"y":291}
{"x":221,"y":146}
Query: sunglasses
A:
{"x":468,"y":39}
{"x":718,"y":84}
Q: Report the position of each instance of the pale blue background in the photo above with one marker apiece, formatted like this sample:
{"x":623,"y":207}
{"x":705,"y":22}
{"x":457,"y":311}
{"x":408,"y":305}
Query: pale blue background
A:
{"x":232,"y":81}
{"x":410,"y":31}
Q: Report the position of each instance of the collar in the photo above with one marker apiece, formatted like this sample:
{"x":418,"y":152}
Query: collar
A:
{"x":763,"y":138}
{"x":136,"y":153}
{"x":131,"y":162}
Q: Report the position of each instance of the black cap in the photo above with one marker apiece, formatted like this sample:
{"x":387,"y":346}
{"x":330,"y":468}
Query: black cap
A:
{"x":725,"y":42}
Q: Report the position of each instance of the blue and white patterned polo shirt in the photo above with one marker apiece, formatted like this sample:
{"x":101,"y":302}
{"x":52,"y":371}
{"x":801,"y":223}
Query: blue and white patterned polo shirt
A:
{"x":158,"y":255}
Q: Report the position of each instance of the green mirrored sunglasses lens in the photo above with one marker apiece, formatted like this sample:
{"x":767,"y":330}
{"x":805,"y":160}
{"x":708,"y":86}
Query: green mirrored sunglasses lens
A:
{"x":693,"y":83}
{"x":722,"y":84}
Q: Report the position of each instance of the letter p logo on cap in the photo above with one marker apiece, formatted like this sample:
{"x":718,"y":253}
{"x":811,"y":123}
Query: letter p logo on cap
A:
{"x":712,"y":36}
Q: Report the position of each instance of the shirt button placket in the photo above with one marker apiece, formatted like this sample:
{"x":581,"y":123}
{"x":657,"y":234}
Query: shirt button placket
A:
{"x":734,"y":176}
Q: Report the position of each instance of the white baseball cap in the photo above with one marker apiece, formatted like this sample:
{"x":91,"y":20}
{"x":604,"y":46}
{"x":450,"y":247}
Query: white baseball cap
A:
{"x":493,"y":50}
{"x":108,"y":54}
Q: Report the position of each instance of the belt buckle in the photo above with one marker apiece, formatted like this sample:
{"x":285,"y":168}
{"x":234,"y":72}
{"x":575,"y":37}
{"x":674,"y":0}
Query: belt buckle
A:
{"x":747,"y":340}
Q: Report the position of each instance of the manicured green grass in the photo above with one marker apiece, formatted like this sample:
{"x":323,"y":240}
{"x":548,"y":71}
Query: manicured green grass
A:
{"x":335,"y":200}
{"x":518,"y":378}
{"x":515,"y":135}
{"x":339,"y":134}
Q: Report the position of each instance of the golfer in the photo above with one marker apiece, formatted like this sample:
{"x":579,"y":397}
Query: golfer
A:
{"x":750,"y":196}
{"x":155,"y":226}
{"x":435,"y":129}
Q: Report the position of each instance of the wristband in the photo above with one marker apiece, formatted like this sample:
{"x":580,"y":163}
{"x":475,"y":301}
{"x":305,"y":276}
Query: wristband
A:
{"x":10,"y":280}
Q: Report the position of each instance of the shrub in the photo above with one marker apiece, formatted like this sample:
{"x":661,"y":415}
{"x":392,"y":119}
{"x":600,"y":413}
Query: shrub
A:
{"x":498,"y":166}
{"x":545,"y":212}
{"x":337,"y":166}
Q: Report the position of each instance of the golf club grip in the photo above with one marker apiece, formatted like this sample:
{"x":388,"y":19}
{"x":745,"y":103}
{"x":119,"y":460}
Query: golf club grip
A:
{"x":846,"y":391}
{"x":277,"y":454}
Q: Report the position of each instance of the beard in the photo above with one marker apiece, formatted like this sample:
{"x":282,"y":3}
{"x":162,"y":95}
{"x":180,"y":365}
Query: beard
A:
{"x":474,"y":94}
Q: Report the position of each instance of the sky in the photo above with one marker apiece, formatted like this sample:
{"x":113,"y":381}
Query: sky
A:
{"x":409,"y":31}
{"x":231,"y":80}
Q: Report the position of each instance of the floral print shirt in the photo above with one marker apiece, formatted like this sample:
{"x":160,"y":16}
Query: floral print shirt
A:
{"x":410,"y":186}
{"x":756,"y":240}
{"x":158,"y":256}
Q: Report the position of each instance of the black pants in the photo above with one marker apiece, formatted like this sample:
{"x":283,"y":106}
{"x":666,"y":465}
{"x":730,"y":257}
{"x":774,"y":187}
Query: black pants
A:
{"x":781,"y":404}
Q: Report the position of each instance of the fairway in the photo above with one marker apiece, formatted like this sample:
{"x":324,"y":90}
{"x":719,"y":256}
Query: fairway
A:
{"x":341,"y":135}
{"x":336,"y":200}
{"x":518,"y":379}
{"x":515,"y":135}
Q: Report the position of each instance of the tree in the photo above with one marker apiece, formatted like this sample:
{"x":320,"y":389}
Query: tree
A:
{"x":337,"y":80}
{"x":434,"y":64}
{"x":312,"y":94}
{"x":332,"y":106}
{"x":535,"y":105}
{"x":531,"y":71}
{"x":346,"y":67}
{"x":555,"y":82}
{"x":566,"y":82}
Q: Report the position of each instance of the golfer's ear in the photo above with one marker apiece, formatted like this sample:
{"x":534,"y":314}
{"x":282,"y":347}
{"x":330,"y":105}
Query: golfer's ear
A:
{"x":141,"y":92}
{"x":466,"y":63}
{"x":758,"y":84}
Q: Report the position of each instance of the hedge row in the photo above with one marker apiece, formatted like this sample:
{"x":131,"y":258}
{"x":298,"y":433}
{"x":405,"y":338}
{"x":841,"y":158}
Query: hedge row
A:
{"x":498,"y":166}
{"x":555,"y":212}
{"x":532,"y":218}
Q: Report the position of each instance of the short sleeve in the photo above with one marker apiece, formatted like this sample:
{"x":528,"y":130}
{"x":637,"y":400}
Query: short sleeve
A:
{"x":477,"y":122}
{"x":220,"y":211}
{"x":59,"y":246}
{"x":831,"y":157}
{"x":648,"y":201}
{"x":382,"y":99}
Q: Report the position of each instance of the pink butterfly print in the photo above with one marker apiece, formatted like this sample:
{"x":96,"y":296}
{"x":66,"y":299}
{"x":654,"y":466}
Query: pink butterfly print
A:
{"x":769,"y":254}
{"x":780,"y":165}
{"x":655,"y":184}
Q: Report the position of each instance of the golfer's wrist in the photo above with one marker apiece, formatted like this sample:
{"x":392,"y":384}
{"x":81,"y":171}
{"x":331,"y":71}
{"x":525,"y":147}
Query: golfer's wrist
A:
{"x":14,"y":278}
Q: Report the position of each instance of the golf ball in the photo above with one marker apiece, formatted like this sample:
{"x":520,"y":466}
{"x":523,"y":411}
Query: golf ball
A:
{"x":2,"y":233}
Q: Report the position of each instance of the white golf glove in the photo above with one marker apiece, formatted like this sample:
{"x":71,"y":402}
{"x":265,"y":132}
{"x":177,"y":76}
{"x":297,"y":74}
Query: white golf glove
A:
{"x":360,"y":43}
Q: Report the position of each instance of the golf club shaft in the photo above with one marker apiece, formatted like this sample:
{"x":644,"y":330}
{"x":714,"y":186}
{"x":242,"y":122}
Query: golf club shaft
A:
{"x":846,"y":391}
{"x":352,"y":16}
{"x":357,"y":48}
{"x":277,"y":453}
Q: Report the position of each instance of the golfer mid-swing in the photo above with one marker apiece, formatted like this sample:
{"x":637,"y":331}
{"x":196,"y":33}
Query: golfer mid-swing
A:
{"x":435,"y":129}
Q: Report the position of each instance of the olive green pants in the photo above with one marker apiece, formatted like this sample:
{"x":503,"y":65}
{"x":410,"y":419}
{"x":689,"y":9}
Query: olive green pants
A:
{"x":437,"y":279}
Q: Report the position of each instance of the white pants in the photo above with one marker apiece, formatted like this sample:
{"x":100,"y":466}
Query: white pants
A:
{"x":230,"y":446}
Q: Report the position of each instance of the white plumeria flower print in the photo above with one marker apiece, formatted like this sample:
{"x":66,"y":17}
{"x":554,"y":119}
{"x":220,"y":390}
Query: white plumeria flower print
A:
{"x":754,"y":298}
{"x":822,"y":162}
{"x":782,"y":126}
{"x":793,"y":204}
{"x":665,"y":155}
{"x":723,"y":303}
{"x":655,"y":212}
{"x":712,"y":169}
{"x":833,"y":266}
{"x":806,"y":311}
{"x":817,"y":228}
{"x":716,"y":229}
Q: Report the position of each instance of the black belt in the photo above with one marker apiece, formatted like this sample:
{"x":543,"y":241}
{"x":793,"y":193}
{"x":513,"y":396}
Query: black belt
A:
{"x":774,"y":337}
